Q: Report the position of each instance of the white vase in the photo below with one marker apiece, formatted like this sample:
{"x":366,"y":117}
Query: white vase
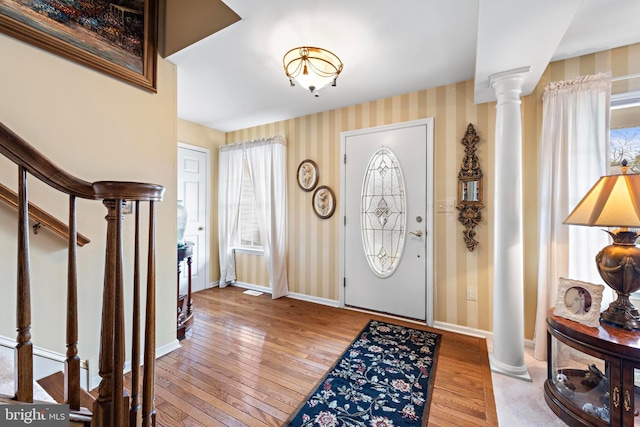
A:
{"x":183,"y":216}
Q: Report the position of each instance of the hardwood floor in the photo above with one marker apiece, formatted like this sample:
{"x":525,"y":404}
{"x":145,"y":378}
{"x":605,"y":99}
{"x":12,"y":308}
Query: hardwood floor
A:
{"x":250,"y":361}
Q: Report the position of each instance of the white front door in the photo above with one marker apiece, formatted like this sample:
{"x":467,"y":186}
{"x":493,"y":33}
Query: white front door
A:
{"x":387,"y":201}
{"x":193,"y":190}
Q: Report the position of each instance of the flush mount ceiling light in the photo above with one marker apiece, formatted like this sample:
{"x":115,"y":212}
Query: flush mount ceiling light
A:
{"x":312,"y":68}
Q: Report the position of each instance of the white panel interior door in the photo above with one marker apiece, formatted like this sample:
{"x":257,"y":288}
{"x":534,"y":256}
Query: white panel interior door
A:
{"x":377,"y":232}
{"x":193,"y":189}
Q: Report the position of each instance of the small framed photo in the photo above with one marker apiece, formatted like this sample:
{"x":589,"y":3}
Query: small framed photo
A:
{"x":308,"y":175}
{"x":579,"y":301}
{"x":324,"y":202}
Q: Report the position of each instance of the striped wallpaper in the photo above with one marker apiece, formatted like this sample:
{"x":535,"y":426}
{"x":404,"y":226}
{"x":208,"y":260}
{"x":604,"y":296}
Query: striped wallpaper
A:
{"x":314,"y":244}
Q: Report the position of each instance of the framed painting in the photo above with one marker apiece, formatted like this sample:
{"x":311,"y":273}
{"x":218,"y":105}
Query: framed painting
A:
{"x":579,"y":301}
{"x":115,"y":38}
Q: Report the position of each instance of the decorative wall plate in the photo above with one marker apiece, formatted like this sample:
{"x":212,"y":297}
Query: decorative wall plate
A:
{"x":324,"y":202}
{"x":308,"y":175}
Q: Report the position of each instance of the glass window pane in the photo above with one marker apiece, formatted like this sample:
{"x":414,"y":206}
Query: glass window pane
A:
{"x":248,"y":232}
{"x":383,"y":213}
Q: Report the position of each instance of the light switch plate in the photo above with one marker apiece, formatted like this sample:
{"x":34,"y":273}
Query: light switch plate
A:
{"x":445,"y":206}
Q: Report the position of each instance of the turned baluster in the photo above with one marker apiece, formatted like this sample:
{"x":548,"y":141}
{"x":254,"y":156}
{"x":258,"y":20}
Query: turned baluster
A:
{"x":108,"y":411}
{"x":72,"y":362}
{"x":24,"y":348}
{"x":119,"y":411}
{"x":189,"y":300}
{"x":135,"y":333}
{"x":148,"y":409}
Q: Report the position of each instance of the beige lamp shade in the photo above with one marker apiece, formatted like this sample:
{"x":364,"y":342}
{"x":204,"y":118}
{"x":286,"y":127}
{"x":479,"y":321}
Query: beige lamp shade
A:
{"x":614,"y":201}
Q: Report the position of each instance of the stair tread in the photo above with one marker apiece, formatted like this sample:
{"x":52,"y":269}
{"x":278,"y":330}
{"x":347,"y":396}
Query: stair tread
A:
{"x":54,"y":385}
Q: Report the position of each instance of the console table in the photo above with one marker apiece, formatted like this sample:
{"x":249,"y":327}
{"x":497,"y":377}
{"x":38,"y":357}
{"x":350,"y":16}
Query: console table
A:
{"x":185,"y":303}
{"x":593,"y":374}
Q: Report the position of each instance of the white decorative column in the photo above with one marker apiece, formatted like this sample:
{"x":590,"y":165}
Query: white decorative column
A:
{"x":508,"y":272}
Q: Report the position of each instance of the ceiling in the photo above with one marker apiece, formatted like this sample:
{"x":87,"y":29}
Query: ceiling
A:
{"x":234,"y":78}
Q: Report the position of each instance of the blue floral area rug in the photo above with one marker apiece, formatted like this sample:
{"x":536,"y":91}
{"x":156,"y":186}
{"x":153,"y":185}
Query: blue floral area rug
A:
{"x":383,"y":379}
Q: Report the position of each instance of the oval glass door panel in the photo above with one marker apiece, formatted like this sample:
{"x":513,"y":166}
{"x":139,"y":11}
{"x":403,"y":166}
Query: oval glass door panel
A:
{"x":383,"y":213}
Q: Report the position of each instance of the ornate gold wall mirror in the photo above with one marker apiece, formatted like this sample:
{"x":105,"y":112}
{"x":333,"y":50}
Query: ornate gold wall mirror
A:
{"x":470,"y":188}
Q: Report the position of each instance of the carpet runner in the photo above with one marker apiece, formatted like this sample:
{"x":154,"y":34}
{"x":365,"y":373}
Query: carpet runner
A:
{"x":383,"y":379}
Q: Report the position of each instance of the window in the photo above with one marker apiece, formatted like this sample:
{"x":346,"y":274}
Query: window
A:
{"x":625,"y":145}
{"x":248,"y":232}
{"x":624,"y":137}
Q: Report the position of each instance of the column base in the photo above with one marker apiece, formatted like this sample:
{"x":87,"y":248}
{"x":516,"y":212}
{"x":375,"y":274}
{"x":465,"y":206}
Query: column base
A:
{"x":519,"y":372}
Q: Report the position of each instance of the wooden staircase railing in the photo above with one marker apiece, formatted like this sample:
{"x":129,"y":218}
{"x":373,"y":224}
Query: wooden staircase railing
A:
{"x":40,"y":216}
{"x":113,"y":406}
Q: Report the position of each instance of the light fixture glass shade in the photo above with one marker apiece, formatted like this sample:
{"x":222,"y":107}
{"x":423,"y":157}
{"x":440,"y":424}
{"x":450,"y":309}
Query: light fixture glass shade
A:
{"x":312,"y":68}
{"x":614,"y":201}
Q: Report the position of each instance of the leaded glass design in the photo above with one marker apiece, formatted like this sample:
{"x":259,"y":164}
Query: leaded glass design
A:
{"x":383,"y":212}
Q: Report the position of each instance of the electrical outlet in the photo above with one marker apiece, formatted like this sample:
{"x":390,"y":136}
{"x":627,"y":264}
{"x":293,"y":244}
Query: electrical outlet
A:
{"x":472,"y":294}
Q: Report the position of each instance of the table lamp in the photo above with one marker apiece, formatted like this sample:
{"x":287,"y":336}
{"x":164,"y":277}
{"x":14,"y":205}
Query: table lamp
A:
{"x":614,"y":201}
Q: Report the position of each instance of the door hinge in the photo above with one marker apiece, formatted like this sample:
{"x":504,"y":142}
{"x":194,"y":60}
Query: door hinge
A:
{"x":344,"y":282}
{"x":345,"y":220}
{"x":345,"y":158}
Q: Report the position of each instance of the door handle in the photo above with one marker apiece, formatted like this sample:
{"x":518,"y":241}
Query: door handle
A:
{"x":200,"y":228}
{"x":417,"y":233}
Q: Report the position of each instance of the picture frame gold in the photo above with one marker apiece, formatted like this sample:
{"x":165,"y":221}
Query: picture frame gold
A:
{"x":308,"y":175}
{"x":324,"y":202}
{"x":119,"y":40}
{"x":579,"y":301}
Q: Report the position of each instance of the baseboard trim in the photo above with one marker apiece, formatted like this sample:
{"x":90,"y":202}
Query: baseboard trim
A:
{"x":51,"y":356}
{"x":474,"y":332}
{"x":41,"y":352}
{"x":294,"y":295}
{"x":317,"y":300}
{"x":245,"y":285}
{"x":167,"y":348}
{"x":160,"y":351}
{"x":451,"y":327}
{"x":464,"y":330}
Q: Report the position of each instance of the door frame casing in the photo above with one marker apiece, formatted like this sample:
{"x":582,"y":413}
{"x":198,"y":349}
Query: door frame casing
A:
{"x":207,"y":216}
{"x":429,"y":209}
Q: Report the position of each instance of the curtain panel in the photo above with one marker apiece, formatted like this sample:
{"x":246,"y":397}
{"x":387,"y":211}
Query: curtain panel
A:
{"x":266,"y":159}
{"x":230,"y":167}
{"x":574,"y":154}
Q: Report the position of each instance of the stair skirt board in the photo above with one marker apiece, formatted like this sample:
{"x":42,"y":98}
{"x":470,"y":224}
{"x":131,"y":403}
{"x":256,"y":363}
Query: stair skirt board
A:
{"x":45,"y":363}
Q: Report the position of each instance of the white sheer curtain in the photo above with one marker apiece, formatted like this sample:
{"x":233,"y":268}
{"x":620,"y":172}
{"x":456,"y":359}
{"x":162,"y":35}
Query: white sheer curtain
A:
{"x":267,"y":168}
{"x":574,"y":154}
{"x":230,"y":166}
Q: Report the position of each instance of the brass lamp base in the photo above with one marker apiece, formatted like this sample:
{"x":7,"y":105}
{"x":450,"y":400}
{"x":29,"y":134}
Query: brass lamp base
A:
{"x":622,"y":313}
{"x":619,"y":266}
